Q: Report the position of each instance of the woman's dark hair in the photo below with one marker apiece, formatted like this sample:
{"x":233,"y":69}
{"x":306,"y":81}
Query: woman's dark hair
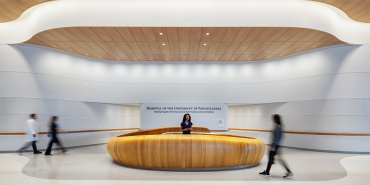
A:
{"x":53,"y":120}
{"x":184,"y":118}
{"x":277,"y":119}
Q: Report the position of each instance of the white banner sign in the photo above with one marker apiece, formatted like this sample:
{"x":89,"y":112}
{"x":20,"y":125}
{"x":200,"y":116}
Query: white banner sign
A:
{"x":213,"y":116}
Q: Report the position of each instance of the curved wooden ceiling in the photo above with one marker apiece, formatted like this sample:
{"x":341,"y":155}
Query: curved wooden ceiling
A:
{"x":184,"y":44}
{"x":357,"y":10}
{"x":12,"y":9}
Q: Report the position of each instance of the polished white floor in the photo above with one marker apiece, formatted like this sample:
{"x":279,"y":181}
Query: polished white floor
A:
{"x":92,"y":165}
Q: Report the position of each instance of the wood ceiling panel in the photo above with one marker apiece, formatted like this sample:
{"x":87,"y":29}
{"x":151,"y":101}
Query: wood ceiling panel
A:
{"x":80,"y":34}
{"x":352,"y":8}
{"x":184,"y":48}
{"x":172,"y":34}
{"x":90,"y":33}
{"x":243,"y":46}
{"x":184,"y":34}
{"x":174,"y":48}
{"x":90,"y":51}
{"x":135,"y":47}
{"x":150,"y":57}
{"x":265,"y":34}
{"x":219,"y":34}
{"x":242,"y":34}
{"x":161,"y":34}
{"x":193,"y":48}
{"x":253,"y":35}
{"x":164,"y":47}
{"x":114,"y":34}
{"x":126,"y":34}
{"x":13,"y":9}
{"x":224,"y":46}
{"x":184,"y":57}
{"x":230,"y":34}
{"x":233,"y":47}
{"x":209,"y":57}
{"x":103,"y":34}
{"x":195,"y":34}
{"x":115,"y":47}
{"x":217,"y":57}
{"x":149,"y":34}
{"x":68,"y":34}
{"x":177,"y":44}
{"x":213,"y":47}
{"x":127,"y":49}
{"x":243,"y":58}
{"x":154,"y":47}
{"x":203,"y":47}
{"x":144,"y":46}
{"x":234,"y":57}
{"x":207,"y":34}
{"x":137,"y":34}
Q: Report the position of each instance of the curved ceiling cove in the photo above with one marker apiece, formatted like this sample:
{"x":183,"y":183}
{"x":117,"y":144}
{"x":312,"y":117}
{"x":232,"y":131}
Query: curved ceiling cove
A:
{"x":358,"y":10}
{"x":184,"y":44}
{"x":181,"y":13}
{"x":13,"y":9}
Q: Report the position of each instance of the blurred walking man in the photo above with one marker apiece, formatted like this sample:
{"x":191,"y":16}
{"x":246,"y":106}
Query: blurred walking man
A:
{"x":31,"y":135}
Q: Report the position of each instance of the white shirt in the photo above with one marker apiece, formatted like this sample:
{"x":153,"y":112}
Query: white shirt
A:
{"x":32,"y":128}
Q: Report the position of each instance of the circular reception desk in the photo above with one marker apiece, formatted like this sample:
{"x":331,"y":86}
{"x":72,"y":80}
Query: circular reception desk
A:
{"x":168,"y":149}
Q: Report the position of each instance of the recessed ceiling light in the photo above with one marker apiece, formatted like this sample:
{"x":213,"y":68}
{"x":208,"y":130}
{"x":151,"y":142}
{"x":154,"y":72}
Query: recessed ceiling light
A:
{"x":184,"y":58}
{"x":87,"y":54}
{"x":204,"y":44}
{"x":150,"y":59}
{"x":314,"y":46}
{"x":99,"y":57}
{"x":160,"y":33}
{"x":117,"y":59}
{"x":53,"y":45}
{"x":207,"y":33}
{"x":134,"y":58}
{"x":281,"y":55}
{"x":70,"y":50}
{"x":163,"y":44}
{"x":167,"y":59}
{"x":200,"y":59}
{"x":216,"y":59}
{"x":269,"y":57}
{"x":297,"y":50}
{"x":233,"y":59}
{"x":249,"y":59}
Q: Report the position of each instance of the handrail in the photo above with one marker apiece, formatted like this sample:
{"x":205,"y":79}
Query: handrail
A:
{"x":310,"y":133}
{"x":67,"y":132}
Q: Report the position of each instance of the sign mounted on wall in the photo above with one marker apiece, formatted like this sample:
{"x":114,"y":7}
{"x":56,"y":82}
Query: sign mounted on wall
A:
{"x":170,"y":115}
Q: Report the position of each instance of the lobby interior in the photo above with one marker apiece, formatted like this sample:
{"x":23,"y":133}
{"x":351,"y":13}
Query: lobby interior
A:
{"x":120,"y":74}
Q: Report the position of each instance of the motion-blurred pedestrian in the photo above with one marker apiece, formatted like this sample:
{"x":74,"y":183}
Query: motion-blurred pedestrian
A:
{"x":31,"y":135}
{"x":276,"y":139}
{"x":54,"y":129}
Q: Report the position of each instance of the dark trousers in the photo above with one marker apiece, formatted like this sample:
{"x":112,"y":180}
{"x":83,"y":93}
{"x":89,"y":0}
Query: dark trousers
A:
{"x":28,"y":144}
{"x":271,"y":160}
{"x":50,"y":145}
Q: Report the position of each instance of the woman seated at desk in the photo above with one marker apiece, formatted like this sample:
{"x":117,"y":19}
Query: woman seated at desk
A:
{"x":186,"y":124}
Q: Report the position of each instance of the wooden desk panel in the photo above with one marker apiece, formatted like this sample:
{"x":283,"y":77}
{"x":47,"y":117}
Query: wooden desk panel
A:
{"x":185,"y":152}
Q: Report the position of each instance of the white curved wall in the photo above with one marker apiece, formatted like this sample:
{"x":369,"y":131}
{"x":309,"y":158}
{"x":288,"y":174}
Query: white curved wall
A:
{"x":332,"y":116}
{"x":334,"y":79}
{"x":185,"y":13}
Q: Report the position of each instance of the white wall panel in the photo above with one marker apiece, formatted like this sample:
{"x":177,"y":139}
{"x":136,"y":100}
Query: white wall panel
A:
{"x":325,"y":90}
